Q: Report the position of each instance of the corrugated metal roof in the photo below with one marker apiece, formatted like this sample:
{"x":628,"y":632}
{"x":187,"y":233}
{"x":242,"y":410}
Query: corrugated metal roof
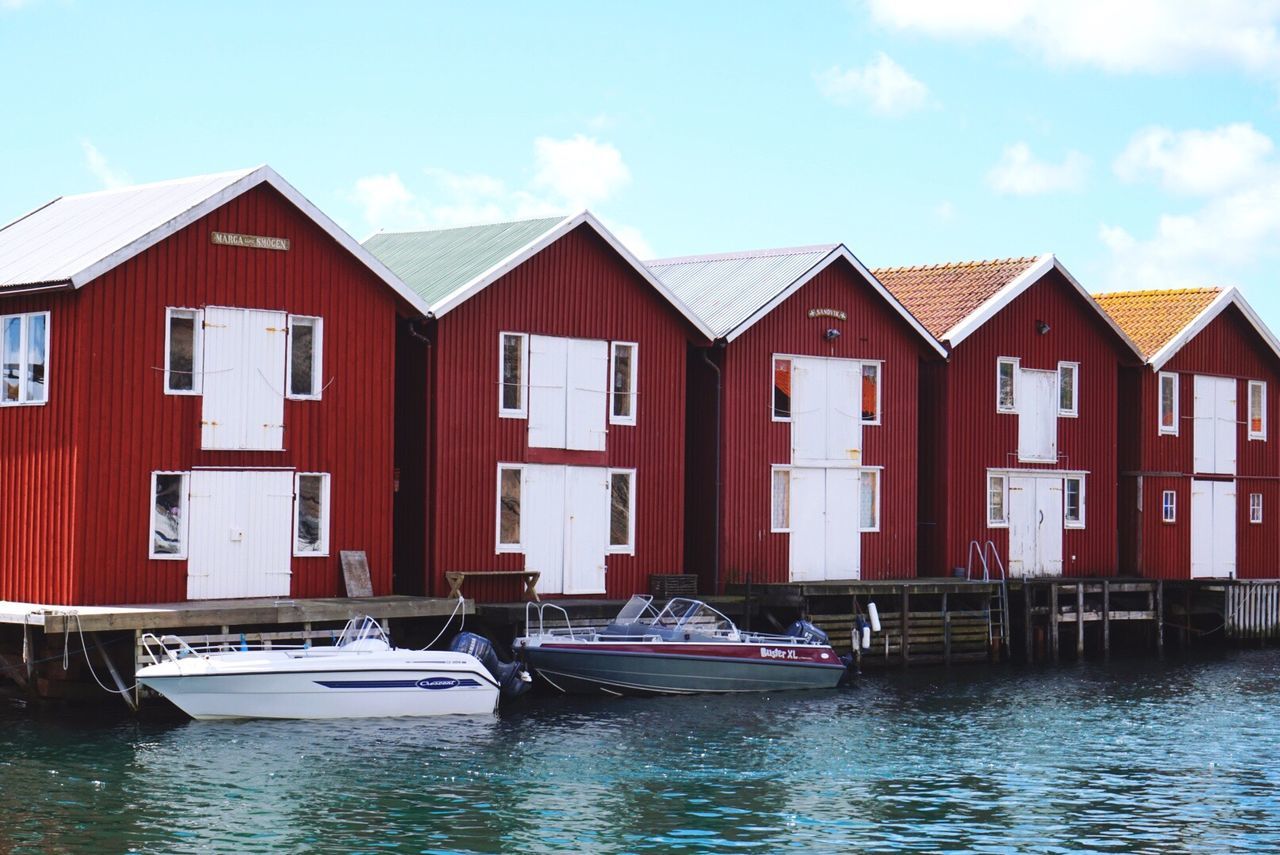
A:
{"x":725,"y":290}
{"x":59,"y":242}
{"x":438,"y":263}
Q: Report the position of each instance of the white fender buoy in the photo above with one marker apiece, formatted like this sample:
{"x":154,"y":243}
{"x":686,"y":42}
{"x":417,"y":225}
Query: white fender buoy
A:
{"x":874,"y":614}
{"x":866,"y":638}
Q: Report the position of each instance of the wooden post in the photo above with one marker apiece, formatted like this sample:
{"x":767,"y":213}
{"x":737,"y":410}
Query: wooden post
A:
{"x":28,"y":653}
{"x":1079,"y":620}
{"x":1028,"y":623}
{"x":946,"y":632}
{"x":1186,"y":618}
{"x":1160,"y":617}
{"x":1106,"y":619}
{"x":124,"y":692}
{"x":905,"y":624}
{"x":1053,"y":621}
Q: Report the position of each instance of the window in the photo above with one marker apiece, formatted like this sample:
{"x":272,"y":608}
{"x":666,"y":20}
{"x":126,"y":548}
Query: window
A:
{"x":510,"y":480}
{"x":997,"y":501}
{"x":1007,"y":384}
{"x":871,"y":393}
{"x":781,"y":389}
{"x":1073,"y":502}
{"x":304,"y":379}
{"x":1255,"y":508}
{"x":1169,"y":404}
{"x":24,"y":358}
{"x":622,"y":408}
{"x":1068,"y":389}
{"x":781,"y":518}
{"x":311,"y":514}
{"x":869,"y":504}
{"x":514,"y":356}
{"x":183,"y":349}
{"x":1257,"y":409}
{"x":1169,"y":507}
{"x":168,"y":515}
{"x":622,"y":505}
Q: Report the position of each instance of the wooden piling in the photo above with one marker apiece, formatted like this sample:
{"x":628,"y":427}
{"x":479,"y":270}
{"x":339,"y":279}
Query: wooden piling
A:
{"x":1028,"y":623}
{"x":1106,"y":619}
{"x":1160,"y":617}
{"x":905,"y":623}
{"x":1053,"y":621}
{"x":946,"y":632}
{"x":1079,"y":620}
{"x":125,"y":693}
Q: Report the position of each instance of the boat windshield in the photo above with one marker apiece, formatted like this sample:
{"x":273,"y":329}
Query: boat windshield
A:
{"x":361,"y":628}
{"x":694,"y":616}
{"x":637,"y":608}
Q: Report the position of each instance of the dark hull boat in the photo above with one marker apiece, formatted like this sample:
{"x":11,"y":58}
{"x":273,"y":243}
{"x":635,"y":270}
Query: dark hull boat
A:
{"x":686,"y":648}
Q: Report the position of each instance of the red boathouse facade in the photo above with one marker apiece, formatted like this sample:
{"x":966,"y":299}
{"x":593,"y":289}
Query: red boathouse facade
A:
{"x":803,"y":418}
{"x":549,"y":381}
{"x":195,"y":377}
{"x":1018,"y":438}
{"x":1200,"y":470}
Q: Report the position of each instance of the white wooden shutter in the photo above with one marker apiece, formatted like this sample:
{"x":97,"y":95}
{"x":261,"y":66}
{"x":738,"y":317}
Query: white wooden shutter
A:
{"x":222,"y":411}
{"x":587,"y":393}
{"x":1225,"y":526}
{"x":266,"y":336}
{"x":547,"y":405}
{"x":808,"y":410}
{"x":844,"y":411}
{"x":1227,"y":425}
{"x":587,"y":529}
{"x":808,"y":537}
{"x":843,"y":528}
{"x":1038,"y":416}
{"x":542,"y":524}
{"x":1204,"y":425}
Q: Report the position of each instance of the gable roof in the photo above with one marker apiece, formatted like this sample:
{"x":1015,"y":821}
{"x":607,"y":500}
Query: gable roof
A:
{"x":1163,"y":321}
{"x":731,"y":291}
{"x":956,"y":299}
{"x":75,"y":239}
{"x":446,"y":267}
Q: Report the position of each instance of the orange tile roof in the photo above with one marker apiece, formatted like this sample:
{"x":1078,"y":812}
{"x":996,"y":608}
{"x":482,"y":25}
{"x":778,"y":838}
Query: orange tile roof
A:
{"x":942,"y":295}
{"x":1154,"y":318}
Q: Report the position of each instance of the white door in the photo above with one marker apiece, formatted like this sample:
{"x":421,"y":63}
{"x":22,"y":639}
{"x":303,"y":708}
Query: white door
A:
{"x":241,"y":534}
{"x":1214,"y":428}
{"x":1049,"y":527}
{"x":222,"y":410}
{"x":266,"y":340}
{"x":1035,"y":526}
{"x":244,"y":376}
{"x":1038,"y":416}
{"x":808,"y":410}
{"x":548,"y":357}
{"x":808,"y":537}
{"x":543,"y":526}
{"x":586,"y":525}
{"x":1213,"y":529}
{"x":843,"y":524}
{"x":844,"y":411}
{"x":586,"y":389}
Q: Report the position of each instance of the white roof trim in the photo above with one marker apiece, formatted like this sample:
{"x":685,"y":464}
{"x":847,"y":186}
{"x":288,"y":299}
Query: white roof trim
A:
{"x":837,"y":251}
{"x":1024,"y":280}
{"x":568,"y":224}
{"x":251,"y":179}
{"x":1228,"y":297}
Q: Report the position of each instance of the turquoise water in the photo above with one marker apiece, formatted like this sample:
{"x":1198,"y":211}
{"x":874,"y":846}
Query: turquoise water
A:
{"x":1116,"y":758}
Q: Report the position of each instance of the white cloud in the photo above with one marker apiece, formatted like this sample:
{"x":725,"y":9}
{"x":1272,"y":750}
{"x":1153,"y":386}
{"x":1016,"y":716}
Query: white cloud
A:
{"x":387,"y":203}
{"x":1019,"y":173}
{"x":580,"y":170}
{"x":1134,"y":35}
{"x":881,"y":85}
{"x":97,"y":163}
{"x":1196,"y":162}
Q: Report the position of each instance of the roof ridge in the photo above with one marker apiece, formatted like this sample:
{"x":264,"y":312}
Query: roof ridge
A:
{"x":1152,"y":292}
{"x":955,"y":265}
{"x":744,"y":254}
{"x":168,"y":182}
{"x":557,"y":218}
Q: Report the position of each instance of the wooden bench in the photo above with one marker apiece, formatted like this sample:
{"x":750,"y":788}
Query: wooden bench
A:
{"x":455,"y":578}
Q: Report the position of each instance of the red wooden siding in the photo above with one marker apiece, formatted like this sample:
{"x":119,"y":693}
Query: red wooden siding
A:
{"x":1227,"y":347}
{"x":576,"y":287}
{"x":108,"y":409}
{"x":977,"y":438}
{"x":752,"y":442}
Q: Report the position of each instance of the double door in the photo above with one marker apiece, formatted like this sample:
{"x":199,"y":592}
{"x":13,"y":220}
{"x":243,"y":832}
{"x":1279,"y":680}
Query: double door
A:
{"x":1213,"y":529}
{"x":241,"y":534}
{"x":566,"y":519}
{"x":825,"y":524}
{"x":1038,"y":393}
{"x":1035,"y":526}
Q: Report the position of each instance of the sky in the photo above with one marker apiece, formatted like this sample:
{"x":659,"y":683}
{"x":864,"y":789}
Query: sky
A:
{"x":1136,"y":139}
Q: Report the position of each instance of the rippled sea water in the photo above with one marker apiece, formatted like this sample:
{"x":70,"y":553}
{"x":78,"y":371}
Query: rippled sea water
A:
{"x":1126,"y":757}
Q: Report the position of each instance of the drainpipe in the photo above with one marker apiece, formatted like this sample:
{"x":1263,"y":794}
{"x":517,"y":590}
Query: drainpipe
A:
{"x":719,"y":442}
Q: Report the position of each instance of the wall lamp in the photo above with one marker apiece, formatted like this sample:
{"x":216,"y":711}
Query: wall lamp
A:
{"x":831,"y":334}
{"x":1042,"y":327}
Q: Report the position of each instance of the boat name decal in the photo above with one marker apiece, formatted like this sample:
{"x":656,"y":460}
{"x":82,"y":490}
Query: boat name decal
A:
{"x":436,"y":683}
{"x":425,"y":683}
{"x":777,"y":653}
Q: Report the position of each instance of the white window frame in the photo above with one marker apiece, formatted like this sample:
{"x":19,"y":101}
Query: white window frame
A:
{"x":326,"y":482}
{"x":635,"y":373}
{"x":24,"y":325}
{"x":879,"y":366}
{"x":500,"y":547}
{"x":185,"y":511}
{"x":1255,"y":509}
{"x":773,"y":475}
{"x":773,"y":386}
{"x":630,"y":547}
{"x":1067,"y":522}
{"x":1164,"y":430}
{"x":1169,"y":507}
{"x":1074,"y":368}
{"x":197,"y":349}
{"x":317,"y":358}
{"x":521,"y":412}
{"x":1261,"y":386}
{"x":1016,"y":362}
{"x":992,"y":521}
{"x":877,"y":473}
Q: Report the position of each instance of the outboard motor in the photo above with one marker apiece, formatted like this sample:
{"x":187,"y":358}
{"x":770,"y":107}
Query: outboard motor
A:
{"x":806,"y":631}
{"x":513,"y":681}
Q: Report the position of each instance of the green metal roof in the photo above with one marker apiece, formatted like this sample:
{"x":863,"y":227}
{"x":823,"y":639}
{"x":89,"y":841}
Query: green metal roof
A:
{"x":437,"y":264}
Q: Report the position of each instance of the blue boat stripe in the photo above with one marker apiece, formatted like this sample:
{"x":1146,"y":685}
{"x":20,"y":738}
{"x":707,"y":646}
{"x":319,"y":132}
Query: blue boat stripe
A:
{"x":384,"y":684}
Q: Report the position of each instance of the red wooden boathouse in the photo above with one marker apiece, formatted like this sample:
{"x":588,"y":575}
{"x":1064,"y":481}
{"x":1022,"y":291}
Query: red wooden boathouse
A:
{"x":803,"y":418}
{"x":548,"y":382}
{"x":194,"y":395}
{"x":1200,"y":472}
{"x":1018,"y":437}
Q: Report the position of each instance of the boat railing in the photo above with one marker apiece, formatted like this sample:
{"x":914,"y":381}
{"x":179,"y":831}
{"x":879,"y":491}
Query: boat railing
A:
{"x":173,"y":648}
{"x":539,"y":610}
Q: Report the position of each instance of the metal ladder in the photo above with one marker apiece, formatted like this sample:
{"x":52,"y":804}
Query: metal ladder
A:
{"x":998,"y":608}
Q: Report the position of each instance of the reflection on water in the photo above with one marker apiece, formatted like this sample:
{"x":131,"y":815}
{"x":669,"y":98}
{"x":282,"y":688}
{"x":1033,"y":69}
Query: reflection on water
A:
{"x":1126,"y":757}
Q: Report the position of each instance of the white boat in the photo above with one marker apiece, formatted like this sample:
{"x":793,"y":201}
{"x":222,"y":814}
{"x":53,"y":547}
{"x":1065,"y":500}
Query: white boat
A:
{"x":361,"y":676}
